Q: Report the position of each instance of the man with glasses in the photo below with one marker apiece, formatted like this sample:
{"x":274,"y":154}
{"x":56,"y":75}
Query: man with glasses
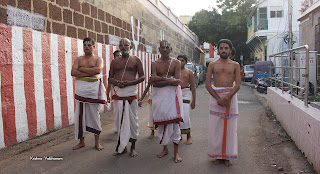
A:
{"x":89,"y":93}
{"x":122,"y":75}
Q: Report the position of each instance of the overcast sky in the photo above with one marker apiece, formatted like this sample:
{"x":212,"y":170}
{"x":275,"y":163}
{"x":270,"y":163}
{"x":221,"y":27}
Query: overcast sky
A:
{"x":188,"y":7}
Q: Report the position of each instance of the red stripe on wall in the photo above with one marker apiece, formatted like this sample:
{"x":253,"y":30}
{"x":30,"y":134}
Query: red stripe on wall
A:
{"x":29,"y":82}
{"x":7,"y":98}
{"x":63,"y":79}
{"x":46,"y":67}
{"x":145,"y":69}
{"x":74,"y":48}
{"x":104,"y":71}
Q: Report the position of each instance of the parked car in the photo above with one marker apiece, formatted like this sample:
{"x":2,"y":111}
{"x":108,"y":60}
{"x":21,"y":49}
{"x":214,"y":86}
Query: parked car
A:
{"x":247,"y":72}
{"x":201,"y":73}
{"x":193,"y":68}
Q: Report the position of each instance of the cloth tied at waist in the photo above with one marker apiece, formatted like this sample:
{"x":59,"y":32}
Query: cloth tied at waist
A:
{"x":90,"y":90}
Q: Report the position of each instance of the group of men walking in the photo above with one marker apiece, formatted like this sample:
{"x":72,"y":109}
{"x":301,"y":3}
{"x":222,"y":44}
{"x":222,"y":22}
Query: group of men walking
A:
{"x":173,"y":95}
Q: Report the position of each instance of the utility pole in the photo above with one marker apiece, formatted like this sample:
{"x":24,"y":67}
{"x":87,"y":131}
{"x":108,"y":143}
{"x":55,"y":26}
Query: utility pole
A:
{"x":290,"y":22}
{"x":290,"y":43}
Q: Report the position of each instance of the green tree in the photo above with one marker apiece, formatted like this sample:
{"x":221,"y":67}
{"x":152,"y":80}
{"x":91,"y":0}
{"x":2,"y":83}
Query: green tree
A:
{"x":231,"y":23}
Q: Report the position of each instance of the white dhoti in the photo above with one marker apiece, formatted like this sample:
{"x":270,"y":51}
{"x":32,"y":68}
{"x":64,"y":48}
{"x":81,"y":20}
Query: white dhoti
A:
{"x":150,"y":121}
{"x":223,"y":142}
{"x":167,"y":112}
{"x":186,"y":97}
{"x":125,"y":112}
{"x":169,"y":131}
{"x":89,"y":94}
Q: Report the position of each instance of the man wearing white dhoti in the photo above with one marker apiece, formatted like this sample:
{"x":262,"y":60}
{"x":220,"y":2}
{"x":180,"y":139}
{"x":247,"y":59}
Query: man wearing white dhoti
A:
{"x":187,"y":83}
{"x":122,"y":76}
{"x":89,"y":94}
{"x":223,"y":143}
{"x":151,"y":124}
{"x":167,"y":99}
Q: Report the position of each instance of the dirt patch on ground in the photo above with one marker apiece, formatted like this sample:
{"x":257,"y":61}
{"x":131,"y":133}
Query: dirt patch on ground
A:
{"x":279,"y":154}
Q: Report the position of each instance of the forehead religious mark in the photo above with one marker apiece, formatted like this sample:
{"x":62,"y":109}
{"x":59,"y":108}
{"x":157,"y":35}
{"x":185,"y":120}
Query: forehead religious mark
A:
{"x":124,"y":41}
{"x":165,"y":44}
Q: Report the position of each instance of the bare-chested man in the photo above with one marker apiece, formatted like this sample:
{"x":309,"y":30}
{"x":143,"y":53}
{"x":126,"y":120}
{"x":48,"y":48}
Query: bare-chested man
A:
{"x":223,"y":143}
{"x":167,"y":99}
{"x":88,"y":86}
{"x":187,"y":83}
{"x":122,"y":76}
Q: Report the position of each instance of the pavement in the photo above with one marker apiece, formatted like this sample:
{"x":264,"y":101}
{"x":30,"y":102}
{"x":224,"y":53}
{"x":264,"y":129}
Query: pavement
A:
{"x":264,"y":147}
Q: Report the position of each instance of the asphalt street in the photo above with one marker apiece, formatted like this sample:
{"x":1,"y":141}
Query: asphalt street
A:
{"x":264,"y":148}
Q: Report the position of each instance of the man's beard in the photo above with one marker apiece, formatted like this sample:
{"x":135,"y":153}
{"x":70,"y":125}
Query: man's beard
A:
{"x":224,"y":56}
{"x":124,"y":52}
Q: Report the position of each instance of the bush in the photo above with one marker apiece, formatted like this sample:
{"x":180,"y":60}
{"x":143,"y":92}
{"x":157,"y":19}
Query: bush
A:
{"x":315,"y":98}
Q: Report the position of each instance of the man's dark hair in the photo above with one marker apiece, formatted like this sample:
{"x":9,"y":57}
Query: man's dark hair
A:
{"x":226,"y":41}
{"x":184,"y":57}
{"x":115,"y":52}
{"x":233,"y":52}
{"x":88,"y":39}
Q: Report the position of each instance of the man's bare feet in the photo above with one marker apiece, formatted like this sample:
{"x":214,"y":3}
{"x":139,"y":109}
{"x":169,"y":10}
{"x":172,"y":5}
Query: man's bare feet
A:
{"x":189,"y":141}
{"x":151,"y":136}
{"x":216,"y":161}
{"x":99,"y":147}
{"x":116,"y":153}
{"x":133,"y":153}
{"x":177,"y":159}
{"x":163,"y":153}
{"x":228,"y":163}
{"x":78,"y":146}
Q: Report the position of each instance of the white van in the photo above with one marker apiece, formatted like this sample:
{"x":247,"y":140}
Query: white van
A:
{"x":247,"y":72}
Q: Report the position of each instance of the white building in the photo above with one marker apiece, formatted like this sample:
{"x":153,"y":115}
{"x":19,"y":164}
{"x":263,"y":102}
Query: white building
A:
{"x":268,"y":28}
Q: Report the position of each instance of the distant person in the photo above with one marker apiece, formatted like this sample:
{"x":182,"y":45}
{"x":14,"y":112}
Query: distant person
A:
{"x":187,"y":83}
{"x":233,"y":54}
{"x":151,"y":124}
{"x":88,"y":87}
{"x":167,"y":99}
{"x":123,"y":76}
{"x":223,"y":143}
{"x":116,"y":54}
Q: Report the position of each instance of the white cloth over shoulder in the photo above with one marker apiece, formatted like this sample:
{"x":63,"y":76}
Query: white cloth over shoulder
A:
{"x":125,"y":112}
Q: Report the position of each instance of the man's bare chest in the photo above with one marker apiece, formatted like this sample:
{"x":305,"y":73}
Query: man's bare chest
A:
{"x":88,"y":62}
{"x":126,"y":65}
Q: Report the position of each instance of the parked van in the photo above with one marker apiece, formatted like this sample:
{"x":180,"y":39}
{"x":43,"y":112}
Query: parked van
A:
{"x":248,"y":72}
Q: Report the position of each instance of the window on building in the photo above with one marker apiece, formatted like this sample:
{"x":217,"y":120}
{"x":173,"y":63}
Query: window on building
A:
{"x":263,"y":20}
{"x":276,"y":14}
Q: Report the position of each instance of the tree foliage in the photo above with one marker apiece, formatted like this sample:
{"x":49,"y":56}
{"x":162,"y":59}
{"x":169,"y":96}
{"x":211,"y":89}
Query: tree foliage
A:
{"x":230,"y":23}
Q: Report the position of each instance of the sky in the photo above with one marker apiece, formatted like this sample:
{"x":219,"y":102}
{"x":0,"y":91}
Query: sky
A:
{"x":188,"y":7}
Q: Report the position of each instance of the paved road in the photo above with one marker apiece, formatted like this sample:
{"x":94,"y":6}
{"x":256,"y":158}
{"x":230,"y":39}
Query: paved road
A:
{"x":264,"y":147}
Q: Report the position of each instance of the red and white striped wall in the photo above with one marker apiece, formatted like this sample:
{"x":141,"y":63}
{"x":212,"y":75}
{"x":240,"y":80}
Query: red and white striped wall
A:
{"x":37,"y":89}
